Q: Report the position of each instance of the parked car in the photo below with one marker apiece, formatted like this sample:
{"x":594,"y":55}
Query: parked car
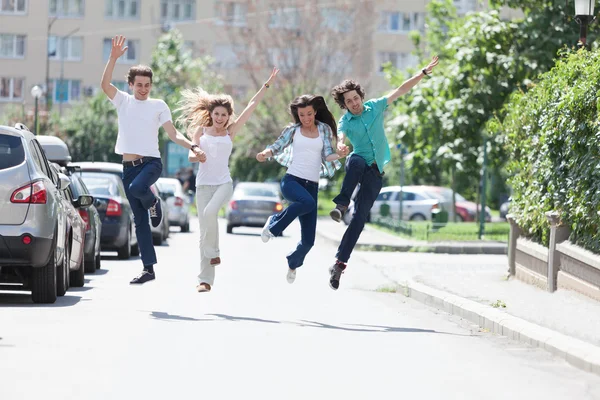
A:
{"x":160,"y":232}
{"x":251,"y":204}
{"x":466,"y":210}
{"x":57,"y":151}
{"x":504,"y":209}
{"x":76,"y":238}
{"x":416,"y":205}
{"x":178,"y":203}
{"x":118,"y":231}
{"x":33,"y":224}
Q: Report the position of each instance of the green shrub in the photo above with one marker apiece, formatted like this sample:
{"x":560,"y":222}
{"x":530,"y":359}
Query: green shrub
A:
{"x":553,"y":141}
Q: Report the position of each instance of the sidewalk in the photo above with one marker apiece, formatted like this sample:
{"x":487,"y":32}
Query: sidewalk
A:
{"x":374,"y":239}
{"x":476,"y":288}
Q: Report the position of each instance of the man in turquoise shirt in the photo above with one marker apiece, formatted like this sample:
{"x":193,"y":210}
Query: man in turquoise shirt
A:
{"x":363,"y":125}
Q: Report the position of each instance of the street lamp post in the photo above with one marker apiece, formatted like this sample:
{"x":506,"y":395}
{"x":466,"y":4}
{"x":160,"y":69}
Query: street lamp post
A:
{"x":36,"y":93}
{"x":584,"y":15}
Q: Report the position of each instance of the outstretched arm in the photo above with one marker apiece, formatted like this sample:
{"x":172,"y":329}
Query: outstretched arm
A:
{"x":116,"y":51}
{"x":411,"y":82}
{"x":192,"y":156}
{"x":245,"y":115}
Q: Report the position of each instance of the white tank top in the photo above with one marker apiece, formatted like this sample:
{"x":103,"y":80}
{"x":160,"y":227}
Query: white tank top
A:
{"x":306,"y":156}
{"x":215,"y":170}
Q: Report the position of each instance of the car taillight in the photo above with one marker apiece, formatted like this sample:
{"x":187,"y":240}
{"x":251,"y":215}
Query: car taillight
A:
{"x":178,"y":201}
{"x":85,"y":216}
{"x":233,"y":205}
{"x":113,"y":209}
{"x":34,"y":193}
{"x":278,"y":207}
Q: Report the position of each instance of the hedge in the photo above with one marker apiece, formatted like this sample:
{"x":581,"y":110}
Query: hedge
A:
{"x":553,"y":140}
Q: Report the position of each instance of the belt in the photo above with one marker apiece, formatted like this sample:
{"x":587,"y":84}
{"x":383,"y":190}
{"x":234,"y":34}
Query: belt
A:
{"x":137,"y":162}
{"x":376,"y":168}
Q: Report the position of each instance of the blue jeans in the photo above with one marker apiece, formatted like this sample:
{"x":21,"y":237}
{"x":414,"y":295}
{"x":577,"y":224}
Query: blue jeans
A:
{"x":302,"y":195}
{"x":137,"y":181}
{"x":371,"y":181}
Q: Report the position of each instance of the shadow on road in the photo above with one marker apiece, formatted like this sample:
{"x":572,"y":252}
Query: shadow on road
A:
{"x":24,"y":300}
{"x":301,"y":323}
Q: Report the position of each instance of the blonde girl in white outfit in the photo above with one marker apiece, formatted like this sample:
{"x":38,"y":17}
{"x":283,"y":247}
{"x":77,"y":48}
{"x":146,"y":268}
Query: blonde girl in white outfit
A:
{"x":213,"y":125}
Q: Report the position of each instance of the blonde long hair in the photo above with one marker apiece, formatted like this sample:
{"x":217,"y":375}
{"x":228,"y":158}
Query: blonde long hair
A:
{"x":197,"y":105}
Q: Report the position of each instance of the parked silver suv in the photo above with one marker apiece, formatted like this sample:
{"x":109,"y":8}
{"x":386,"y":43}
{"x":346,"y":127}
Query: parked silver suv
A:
{"x":33,"y":221}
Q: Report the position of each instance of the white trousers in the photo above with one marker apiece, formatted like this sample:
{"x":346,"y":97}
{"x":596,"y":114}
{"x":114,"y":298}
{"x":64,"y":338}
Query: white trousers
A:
{"x":209,"y":200}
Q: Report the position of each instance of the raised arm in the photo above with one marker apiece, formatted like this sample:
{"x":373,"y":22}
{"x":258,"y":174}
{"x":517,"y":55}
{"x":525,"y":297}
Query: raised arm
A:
{"x":411,"y":82}
{"x":116,"y":51}
{"x":245,"y":115}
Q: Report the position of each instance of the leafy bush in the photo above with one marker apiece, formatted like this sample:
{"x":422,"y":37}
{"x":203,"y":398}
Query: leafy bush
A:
{"x":552,"y":137}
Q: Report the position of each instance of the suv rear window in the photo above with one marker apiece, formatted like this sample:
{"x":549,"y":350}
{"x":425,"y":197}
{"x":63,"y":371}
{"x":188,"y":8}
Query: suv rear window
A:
{"x":11,"y":151}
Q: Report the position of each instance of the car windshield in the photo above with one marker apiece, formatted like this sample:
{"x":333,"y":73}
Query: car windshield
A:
{"x":169,"y":188}
{"x":11,"y":151}
{"x":261,"y":191}
{"x":100,"y":185}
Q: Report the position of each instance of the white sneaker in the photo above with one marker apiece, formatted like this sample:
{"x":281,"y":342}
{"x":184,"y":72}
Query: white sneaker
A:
{"x":266,"y":234}
{"x":291,"y":275}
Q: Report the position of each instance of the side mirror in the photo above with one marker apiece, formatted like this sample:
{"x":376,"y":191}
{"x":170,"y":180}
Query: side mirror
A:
{"x":63,"y":181}
{"x":84,"y":201}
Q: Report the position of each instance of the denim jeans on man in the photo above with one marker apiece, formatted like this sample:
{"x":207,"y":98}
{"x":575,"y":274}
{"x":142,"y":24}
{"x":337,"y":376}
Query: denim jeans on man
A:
{"x":137,"y":181}
{"x":302,"y":195}
{"x":371,"y":181}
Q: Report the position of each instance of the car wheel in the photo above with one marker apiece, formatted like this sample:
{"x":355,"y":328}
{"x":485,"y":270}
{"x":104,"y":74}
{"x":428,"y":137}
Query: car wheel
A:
{"x":77,"y":277}
{"x":62,"y":274}
{"x":186,"y":227}
{"x":229,"y":228}
{"x":124,"y":253}
{"x":43,"y":285}
{"x":418,"y":217}
{"x":459,"y":218}
{"x":98,"y":261}
{"x":90,"y":266}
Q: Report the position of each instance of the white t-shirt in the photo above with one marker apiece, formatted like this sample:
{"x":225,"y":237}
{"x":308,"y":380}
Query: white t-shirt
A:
{"x":306,"y":163}
{"x":215,"y":170}
{"x":139,"y":121}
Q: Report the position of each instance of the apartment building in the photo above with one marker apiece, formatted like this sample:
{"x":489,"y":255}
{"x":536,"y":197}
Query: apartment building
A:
{"x":63,"y":45}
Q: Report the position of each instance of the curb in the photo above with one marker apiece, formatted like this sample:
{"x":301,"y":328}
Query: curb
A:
{"x":413,"y":247}
{"x":576,"y":352}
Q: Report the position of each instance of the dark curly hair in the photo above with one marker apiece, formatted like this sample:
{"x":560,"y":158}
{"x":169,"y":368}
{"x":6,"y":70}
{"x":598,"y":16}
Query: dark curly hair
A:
{"x":138,"y":70}
{"x":348,"y":85}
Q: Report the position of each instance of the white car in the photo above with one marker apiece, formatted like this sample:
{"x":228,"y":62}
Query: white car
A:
{"x":178,"y":202}
{"x":416,"y":205}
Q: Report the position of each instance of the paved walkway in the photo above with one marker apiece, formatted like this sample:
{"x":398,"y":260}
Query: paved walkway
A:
{"x":478,"y":278}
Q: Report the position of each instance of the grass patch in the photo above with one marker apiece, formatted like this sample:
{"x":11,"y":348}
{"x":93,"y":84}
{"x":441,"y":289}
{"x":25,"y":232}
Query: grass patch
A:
{"x":325,"y":202}
{"x":459,"y":231}
{"x":387,"y":289}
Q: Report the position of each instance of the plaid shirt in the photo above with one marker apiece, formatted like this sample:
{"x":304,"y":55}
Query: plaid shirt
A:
{"x":283,"y":153}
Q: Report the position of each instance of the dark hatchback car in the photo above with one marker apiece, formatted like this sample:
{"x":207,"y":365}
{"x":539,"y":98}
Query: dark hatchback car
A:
{"x":118,"y":233}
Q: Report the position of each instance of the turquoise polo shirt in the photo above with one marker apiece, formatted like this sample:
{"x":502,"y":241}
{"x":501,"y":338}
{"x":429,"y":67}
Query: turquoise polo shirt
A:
{"x":366,"y":132}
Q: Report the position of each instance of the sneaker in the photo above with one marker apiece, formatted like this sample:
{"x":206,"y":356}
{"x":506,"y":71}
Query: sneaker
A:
{"x":156,"y":213}
{"x":338,"y":213}
{"x":336,"y":271}
{"x":266,"y":234}
{"x":203,"y":288}
{"x":144,"y":277}
{"x":291,"y":275}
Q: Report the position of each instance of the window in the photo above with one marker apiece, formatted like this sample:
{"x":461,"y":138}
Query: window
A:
{"x":286,"y":59}
{"x":227,"y":56}
{"x":70,"y":49}
{"x":465,"y":6}
{"x":393,"y":21}
{"x":11,"y":151}
{"x":122,"y":9}
{"x":288,"y":18}
{"x":336,"y":20}
{"x":13,"y":6}
{"x":65,"y":91}
{"x":130,"y":57}
{"x":11,"y":89}
{"x":387,"y":196}
{"x":337,"y":62}
{"x":398,"y":60}
{"x":231,"y":13}
{"x":67,"y":8}
{"x":177,"y":10}
{"x":410,"y":196}
{"x":12,"y":46}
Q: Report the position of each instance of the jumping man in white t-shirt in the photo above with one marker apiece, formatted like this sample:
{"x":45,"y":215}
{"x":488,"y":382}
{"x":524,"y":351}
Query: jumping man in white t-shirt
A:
{"x":140,"y":118}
